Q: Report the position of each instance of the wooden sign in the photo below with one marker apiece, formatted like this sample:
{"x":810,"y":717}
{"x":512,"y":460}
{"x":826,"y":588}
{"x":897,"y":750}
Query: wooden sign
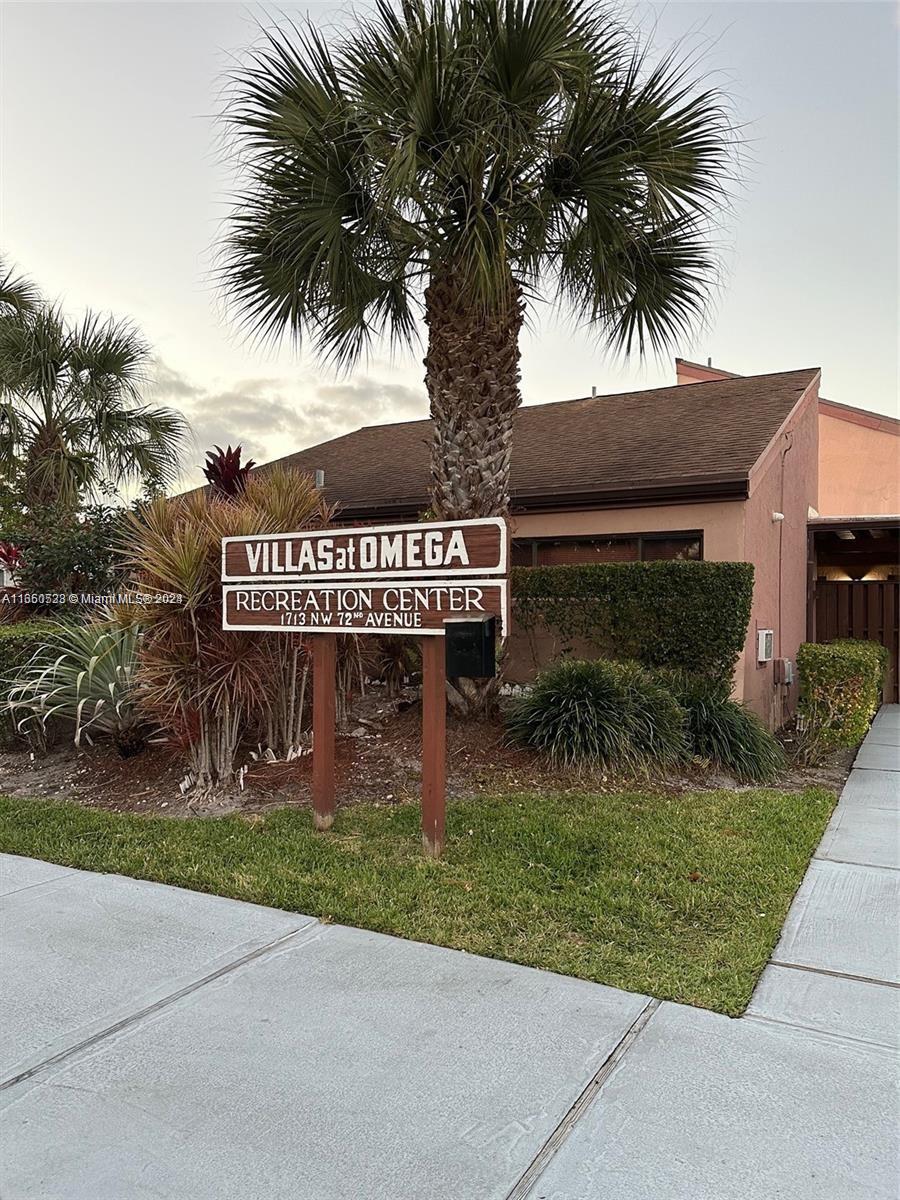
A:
{"x":408,"y":607}
{"x":439,"y":549}
{"x":399,"y":579}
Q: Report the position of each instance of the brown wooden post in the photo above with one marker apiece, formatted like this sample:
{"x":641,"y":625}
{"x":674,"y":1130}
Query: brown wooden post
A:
{"x":324,"y":659}
{"x":434,"y":744}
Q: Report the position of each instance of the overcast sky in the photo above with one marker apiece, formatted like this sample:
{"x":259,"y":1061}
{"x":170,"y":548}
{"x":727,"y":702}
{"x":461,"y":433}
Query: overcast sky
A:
{"x":113,"y":188}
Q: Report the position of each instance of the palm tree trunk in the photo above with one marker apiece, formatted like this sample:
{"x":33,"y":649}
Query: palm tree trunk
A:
{"x":472,"y":376}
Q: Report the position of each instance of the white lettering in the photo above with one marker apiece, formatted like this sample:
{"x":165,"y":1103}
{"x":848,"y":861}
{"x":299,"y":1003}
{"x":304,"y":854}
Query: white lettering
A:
{"x":457,"y":549}
{"x":325,"y":549}
{"x":474,"y":597}
{"x":434,"y":545}
{"x":392,"y":551}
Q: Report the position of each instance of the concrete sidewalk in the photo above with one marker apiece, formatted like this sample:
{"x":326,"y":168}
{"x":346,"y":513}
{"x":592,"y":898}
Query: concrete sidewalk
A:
{"x":166,"y":1044}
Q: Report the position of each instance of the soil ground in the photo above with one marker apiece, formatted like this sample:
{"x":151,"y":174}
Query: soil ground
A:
{"x":378,"y":761}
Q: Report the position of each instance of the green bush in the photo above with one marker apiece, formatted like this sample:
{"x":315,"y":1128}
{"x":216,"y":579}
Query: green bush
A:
{"x":689,"y":615}
{"x":599,"y":713}
{"x":840,"y":689}
{"x":723,"y":731}
{"x":83,"y":674}
{"x":19,"y":641}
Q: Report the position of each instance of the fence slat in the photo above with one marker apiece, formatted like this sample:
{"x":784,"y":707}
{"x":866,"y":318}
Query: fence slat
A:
{"x":869,"y":610}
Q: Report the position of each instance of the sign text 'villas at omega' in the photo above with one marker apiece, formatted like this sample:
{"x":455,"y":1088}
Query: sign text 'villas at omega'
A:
{"x":446,"y":549}
{"x":386,"y":579}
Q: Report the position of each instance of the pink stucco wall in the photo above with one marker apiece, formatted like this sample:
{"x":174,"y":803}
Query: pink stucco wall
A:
{"x":785,"y":480}
{"x":859,"y":463}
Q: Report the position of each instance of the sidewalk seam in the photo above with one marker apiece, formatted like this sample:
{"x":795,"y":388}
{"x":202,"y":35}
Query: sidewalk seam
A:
{"x":849,"y":862}
{"x":527,"y":1180}
{"x":816,"y":1029}
{"x":775,"y":962}
{"x":295,"y":935}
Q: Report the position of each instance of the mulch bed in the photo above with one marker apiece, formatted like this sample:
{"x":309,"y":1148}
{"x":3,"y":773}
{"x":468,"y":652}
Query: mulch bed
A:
{"x":377,"y":761}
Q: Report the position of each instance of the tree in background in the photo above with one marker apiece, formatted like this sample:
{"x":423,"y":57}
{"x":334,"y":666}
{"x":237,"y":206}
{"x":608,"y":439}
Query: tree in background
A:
{"x":453,"y":160}
{"x":73,"y":423}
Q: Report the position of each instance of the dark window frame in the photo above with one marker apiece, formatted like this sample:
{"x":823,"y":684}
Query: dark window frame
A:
{"x":660,"y":536}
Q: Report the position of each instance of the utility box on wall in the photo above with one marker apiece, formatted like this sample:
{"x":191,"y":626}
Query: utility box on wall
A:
{"x":471,"y":645}
{"x":765,"y":645}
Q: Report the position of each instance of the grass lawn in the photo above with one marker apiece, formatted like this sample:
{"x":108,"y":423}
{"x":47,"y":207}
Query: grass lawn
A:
{"x":679,"y":897}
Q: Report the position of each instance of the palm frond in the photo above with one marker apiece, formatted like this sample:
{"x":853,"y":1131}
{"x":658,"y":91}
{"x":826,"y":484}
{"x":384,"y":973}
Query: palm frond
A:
{"x":508,"y":144}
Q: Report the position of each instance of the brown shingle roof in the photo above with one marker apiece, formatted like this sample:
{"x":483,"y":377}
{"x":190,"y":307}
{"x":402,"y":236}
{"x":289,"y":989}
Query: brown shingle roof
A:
{"x":700,"y":438}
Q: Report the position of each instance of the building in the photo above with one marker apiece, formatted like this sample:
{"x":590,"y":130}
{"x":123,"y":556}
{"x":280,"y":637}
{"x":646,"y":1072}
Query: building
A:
{"x":719,"y":467}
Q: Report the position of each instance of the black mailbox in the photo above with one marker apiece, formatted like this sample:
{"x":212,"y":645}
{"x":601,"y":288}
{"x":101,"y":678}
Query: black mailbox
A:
{"x":471,"y":645}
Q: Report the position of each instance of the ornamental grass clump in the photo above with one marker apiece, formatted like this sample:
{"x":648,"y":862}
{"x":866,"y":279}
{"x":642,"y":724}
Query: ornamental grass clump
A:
{"x":600,"y":713}
{"x":82,"y":675}
{"x":207,"y":687}
{"x":722,"y":731}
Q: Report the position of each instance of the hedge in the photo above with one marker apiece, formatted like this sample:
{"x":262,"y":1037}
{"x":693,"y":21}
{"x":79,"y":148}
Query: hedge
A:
{"x":688,"y":615}
{"x":840,"y":688}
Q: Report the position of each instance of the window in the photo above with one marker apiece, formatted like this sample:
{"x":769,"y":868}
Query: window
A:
{"x":644,"y":547}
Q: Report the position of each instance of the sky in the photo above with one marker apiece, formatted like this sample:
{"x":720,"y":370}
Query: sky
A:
{"x":114,"y":188}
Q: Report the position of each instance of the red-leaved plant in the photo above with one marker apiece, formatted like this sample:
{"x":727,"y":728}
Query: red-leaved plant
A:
{"x":10,"y":557}
{"x":224,"y":471}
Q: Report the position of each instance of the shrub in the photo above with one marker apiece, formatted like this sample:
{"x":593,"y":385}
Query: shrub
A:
{"x":690,"y":615}
{"x":599,"y":713}
{"x":840,"y":689}
{"x":723,"y":731}
{"x":207,"y":687}
{"x":19,"y":642}
{"x":66,"y":552}
{"x":83,"y":674}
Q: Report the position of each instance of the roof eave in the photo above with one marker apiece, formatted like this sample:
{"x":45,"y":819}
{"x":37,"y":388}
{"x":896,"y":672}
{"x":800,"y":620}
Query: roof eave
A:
{"x":695,"y":491}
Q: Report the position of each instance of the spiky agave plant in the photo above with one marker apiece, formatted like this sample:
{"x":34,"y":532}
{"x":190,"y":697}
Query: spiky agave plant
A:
{"x":223,"y":469}
{"x":85,"y":675}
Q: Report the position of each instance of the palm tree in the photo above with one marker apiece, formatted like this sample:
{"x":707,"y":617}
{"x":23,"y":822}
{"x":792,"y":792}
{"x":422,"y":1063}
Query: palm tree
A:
{"x":453,"y":160}
{"x":72,"y":418}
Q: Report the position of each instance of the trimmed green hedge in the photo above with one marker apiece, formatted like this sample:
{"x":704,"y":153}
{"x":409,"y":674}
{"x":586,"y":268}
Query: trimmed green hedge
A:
{"x":689,"y":615}
{"x":840,"y":688}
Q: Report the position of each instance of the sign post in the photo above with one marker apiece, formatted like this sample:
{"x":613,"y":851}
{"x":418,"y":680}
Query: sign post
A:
{"x":434,"y":745}
{"x":407,"y":580}
{"x":324,"y":662}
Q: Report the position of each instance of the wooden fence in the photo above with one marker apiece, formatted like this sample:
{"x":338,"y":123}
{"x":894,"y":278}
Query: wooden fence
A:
{"x":870,"y":611}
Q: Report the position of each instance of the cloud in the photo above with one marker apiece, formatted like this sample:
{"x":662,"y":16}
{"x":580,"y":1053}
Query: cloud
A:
{"x":273,"y":416}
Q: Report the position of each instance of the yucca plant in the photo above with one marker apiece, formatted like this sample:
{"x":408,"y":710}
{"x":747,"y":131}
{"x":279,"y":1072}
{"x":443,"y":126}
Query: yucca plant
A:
{"x":723,"y":731}
{"x":210,"y":687}
{"x":600,"y":713}
{"x":83,"y":675}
